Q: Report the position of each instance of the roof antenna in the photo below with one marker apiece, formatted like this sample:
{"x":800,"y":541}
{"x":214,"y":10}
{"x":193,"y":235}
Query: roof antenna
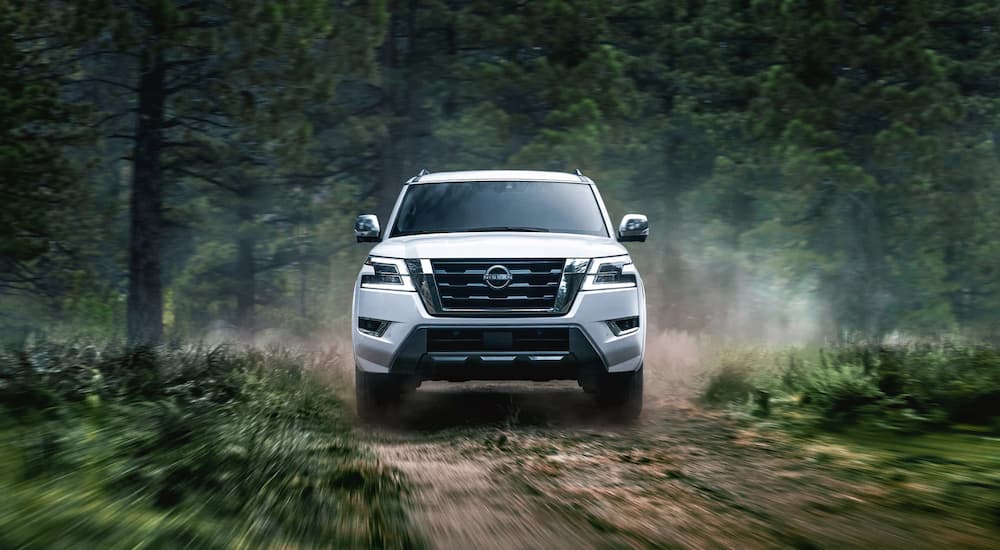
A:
{"x":580,"y":175}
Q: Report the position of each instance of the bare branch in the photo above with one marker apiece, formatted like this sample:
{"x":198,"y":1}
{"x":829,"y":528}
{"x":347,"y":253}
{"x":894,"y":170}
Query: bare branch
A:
{"x":113,"y":83}
{"x":106,"y":119}
{"x":178,"y":121}
{"x":188,"y":144}
{"x":192,"y":174}
{"x":192,"y":82}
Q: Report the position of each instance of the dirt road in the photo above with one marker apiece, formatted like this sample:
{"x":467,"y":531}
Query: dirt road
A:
{"x":535,"y":466}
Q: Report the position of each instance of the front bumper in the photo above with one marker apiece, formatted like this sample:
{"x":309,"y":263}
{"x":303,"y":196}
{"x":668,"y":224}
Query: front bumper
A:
{"x":402,"y":348}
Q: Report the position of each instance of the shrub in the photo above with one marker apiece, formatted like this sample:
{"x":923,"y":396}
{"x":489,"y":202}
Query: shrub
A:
{"x":739,"y":377}
{"x":840,"y":392}
{"x":202,"y":447}
{"x":910,"y":385}
{"x":729,"y":384}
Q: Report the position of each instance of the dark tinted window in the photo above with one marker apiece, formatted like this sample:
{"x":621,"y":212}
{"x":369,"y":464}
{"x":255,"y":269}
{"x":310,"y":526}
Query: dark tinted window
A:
{"x":499,"y":206}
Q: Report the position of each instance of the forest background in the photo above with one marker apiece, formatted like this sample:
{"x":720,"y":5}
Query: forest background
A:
{"x":190,"y":169}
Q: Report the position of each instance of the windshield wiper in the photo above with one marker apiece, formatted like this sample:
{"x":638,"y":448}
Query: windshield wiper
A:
{"x":509,"y":228}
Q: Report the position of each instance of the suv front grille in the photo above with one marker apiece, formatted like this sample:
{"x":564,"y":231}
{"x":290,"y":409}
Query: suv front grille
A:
{"x":461,"y":284}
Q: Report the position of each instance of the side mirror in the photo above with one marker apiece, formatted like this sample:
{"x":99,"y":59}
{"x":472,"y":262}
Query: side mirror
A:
{"x":634,"y":227}
{"x":366,"y":228}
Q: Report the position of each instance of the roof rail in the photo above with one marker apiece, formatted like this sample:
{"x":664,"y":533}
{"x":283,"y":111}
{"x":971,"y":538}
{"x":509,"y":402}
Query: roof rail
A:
{"x":414,"y":179}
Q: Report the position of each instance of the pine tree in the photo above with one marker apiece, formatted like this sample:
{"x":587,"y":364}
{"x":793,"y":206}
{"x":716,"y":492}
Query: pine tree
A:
{"x":273,"y":161}
{"x":36,"y":177}
{"x":186,"y":66}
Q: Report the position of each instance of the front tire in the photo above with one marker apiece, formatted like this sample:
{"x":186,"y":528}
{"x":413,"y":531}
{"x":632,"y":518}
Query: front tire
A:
{"x":620,"y":394}
{"x":375,"y":394}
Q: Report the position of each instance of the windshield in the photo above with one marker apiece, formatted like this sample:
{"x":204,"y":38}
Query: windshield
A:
{"x":542,"y":206}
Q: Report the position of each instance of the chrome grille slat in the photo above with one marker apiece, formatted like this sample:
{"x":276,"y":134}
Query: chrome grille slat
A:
{"x":491,"y":294}
{"x":502,"y":298}
{"x":548,"y":284}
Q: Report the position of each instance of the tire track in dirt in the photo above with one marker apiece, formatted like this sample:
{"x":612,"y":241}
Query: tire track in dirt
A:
{"x":461,"y":504}
{"x":461,"y":500}
{"x":536,"y":466}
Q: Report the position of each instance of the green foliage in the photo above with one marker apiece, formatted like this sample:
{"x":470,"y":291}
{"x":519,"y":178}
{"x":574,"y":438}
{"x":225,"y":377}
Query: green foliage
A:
{"x":847,"y":159}
{"x":841,"y":392}
{"x":546,"y":84}
{"x":35,"y":173}
{"x":906,"y":386}
{"x":731,"y":377}
{"x":215,"y":448}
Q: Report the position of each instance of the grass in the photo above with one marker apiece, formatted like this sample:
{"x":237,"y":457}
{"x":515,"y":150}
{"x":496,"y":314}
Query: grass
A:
{"x":953,"y":473}
{"x":922,"y":417}
{"x":181,"y":448}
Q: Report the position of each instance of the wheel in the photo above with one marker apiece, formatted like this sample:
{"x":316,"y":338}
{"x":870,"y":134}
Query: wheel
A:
{"x":620,"y":394}
{"x":375,"y":394}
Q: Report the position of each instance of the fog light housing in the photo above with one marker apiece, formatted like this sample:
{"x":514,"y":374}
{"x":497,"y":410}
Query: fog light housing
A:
{"x":372,"y":327}
{"x":623,"y":326}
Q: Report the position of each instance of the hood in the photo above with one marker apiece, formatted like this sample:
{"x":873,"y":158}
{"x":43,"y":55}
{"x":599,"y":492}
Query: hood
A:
{"x":498,"y":245}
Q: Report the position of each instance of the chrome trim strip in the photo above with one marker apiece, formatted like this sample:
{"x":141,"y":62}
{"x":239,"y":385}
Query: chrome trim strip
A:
{"x":448,"y":358}
{"x":572,"y":278}
{"x":614,"y":330}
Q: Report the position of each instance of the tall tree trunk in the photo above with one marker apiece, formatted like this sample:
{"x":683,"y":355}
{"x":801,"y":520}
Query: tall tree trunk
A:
{"x":875,"y":276}
{"x":303,"y":235}
{"x":400,"y":108}
{"x":391,"y":169}
{"x":145,"y":288}
{"x":246,"y":289}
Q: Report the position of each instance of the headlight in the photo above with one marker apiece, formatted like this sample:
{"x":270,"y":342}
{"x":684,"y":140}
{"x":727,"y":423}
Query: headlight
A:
{"x":614,"y":272}
{"x":385,"y":274}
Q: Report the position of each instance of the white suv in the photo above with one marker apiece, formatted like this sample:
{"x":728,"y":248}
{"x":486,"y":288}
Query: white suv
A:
{"x":499,"y":275}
